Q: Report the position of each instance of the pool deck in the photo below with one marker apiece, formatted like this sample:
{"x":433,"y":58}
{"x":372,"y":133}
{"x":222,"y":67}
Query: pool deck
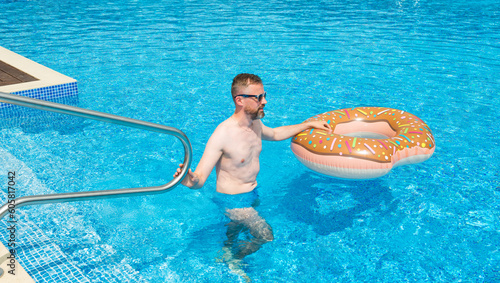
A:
{"x":10,"y":75}
{"x":18,"y":73}
{"x":21,"y":276}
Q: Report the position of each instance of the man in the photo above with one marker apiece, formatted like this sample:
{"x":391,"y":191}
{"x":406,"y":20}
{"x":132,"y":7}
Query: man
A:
{"x":234,"y":149}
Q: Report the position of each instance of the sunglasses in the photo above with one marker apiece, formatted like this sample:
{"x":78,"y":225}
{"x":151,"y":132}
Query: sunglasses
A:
{"x":259,"y":97}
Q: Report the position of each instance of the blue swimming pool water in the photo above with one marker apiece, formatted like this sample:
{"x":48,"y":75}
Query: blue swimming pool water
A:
{"x":171,"y":62}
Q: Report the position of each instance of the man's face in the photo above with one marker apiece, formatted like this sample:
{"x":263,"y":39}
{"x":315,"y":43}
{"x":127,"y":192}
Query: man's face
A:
{"x":251,"y":105}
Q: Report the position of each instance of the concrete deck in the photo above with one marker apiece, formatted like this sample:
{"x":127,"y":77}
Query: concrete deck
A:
{"x":21,"y":276}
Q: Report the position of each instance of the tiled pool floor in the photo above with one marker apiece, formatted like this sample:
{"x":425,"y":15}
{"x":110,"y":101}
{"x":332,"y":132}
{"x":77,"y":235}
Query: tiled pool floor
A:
{"x":40,"y":256}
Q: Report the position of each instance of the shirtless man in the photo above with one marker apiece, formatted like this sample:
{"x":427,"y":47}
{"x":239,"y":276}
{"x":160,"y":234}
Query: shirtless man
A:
{"x":234,"y":149}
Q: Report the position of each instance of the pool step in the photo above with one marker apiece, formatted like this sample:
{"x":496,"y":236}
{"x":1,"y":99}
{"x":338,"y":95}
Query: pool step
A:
{"x":40,"y":256}
{"x":53,"y":239}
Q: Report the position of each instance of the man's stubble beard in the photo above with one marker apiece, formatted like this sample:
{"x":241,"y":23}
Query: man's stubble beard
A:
{"x":257,"y":114}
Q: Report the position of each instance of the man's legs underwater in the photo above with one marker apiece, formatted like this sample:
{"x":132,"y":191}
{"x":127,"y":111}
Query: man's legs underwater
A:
{"x":246,"y":232}
{"x":247,"y":219}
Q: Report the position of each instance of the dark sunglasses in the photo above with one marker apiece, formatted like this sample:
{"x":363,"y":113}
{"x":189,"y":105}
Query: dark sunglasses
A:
{"x":259,"y":97}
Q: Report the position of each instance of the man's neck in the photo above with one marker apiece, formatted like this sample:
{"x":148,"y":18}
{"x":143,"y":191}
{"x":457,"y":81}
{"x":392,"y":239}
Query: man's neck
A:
{"x":242,"y":119}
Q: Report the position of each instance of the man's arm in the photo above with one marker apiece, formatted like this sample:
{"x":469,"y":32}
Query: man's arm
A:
{"x":212,"y":154}
{"x":285,"y":132}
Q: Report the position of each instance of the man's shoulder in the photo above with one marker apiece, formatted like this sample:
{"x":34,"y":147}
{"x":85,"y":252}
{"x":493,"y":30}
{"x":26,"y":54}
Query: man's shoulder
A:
{"x":221,"y":131}
{"x":259,"y":125}
{"x":223,"y":126}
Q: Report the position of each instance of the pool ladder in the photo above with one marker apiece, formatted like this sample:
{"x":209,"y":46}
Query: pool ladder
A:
{"x":104,"y":117}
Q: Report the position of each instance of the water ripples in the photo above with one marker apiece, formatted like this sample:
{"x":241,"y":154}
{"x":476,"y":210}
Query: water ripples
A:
{"x":171,"y":62}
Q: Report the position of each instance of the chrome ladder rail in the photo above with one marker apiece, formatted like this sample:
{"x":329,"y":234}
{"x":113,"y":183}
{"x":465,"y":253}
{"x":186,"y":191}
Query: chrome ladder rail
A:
{"x":104,"y":117}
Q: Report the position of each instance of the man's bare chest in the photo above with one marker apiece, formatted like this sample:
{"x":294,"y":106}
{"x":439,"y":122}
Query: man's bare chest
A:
{"x":243,"y":147}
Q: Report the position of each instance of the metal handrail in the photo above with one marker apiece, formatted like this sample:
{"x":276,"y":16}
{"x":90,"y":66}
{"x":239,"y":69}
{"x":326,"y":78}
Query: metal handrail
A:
{"x":105,"y":117}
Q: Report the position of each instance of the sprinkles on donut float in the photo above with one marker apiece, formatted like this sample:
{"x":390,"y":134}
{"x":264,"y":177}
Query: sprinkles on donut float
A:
{"x":366,"y":142}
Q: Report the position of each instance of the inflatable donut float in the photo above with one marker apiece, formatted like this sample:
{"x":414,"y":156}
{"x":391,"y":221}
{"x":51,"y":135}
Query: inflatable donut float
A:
{"x":366,"y":142}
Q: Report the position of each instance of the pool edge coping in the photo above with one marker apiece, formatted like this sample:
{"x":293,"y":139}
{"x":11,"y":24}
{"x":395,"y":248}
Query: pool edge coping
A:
{"x":20,"y":273}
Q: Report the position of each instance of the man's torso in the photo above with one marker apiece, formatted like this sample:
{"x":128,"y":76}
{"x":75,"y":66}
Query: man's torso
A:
{"x":239,"y":165}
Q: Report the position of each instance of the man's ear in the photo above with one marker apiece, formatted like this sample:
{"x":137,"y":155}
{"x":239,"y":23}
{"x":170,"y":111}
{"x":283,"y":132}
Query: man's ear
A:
{"x":238,"y":101}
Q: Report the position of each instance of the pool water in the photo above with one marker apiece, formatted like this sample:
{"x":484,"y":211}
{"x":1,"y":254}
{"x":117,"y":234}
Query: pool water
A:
{"x":172,"y":62}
